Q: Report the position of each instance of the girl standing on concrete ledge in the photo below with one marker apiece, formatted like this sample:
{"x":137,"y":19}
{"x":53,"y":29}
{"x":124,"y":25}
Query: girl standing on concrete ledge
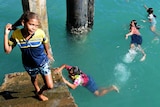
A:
{"x":35,"y":50}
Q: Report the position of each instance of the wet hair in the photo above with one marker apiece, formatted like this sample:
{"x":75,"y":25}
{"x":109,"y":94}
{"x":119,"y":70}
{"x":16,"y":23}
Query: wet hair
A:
{"x":73,"y":72}
{"x":150,"y":11}
{"x":25,"y":17}
{"x":135,"y":23}
{"x":29,"y":15}
{"x":76,"y":70}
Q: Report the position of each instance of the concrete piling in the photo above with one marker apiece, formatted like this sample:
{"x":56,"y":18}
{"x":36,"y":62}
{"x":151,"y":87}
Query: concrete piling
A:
{"x":80,"y":15}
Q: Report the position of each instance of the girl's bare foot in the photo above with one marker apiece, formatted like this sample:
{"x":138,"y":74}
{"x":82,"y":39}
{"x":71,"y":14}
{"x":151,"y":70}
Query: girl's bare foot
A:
{"x":115,"y":88}
{"x":42,"y":97}
{"x":143,"y":58}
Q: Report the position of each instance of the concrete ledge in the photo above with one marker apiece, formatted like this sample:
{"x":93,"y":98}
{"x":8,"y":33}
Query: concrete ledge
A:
{"x":18,"y":91}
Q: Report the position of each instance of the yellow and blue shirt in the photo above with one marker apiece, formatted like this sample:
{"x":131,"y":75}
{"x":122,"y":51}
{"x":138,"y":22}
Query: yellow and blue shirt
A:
{"x":33,"y":54}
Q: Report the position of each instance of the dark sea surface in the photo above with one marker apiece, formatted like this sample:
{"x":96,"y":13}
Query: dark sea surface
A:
{"x":102,"y":53}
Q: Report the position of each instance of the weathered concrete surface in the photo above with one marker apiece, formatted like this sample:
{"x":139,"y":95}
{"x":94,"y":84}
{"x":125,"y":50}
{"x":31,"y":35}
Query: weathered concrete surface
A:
{"x":18,"y":91}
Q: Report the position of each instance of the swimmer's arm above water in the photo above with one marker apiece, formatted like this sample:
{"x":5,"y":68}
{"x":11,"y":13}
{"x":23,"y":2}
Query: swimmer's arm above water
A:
{"x":128,"y":34}
{"x":145,"y":7}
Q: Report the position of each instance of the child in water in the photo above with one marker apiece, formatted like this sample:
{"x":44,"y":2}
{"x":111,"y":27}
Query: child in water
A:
{"x":136,"y":38}
{"x":151,"y":17}
{"x":80,"y":78}
{"x":35,"y":50}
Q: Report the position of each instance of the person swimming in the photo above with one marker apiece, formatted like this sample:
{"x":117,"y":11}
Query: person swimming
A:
{"x":136,"y":38}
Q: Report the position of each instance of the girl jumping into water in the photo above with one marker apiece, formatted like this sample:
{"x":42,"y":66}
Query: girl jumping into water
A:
{"x":80,"y":78}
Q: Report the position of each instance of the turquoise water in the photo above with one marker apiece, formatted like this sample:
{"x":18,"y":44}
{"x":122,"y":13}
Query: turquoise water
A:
{"x":101,"y":53}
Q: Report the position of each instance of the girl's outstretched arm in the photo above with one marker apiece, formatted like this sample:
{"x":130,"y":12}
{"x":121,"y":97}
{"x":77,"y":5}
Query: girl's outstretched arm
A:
{"x":69,"y":84}
{"x":7,"y":47}
{"x":128,"y":34}
{"x":145,"y":7}
{"x":60,"y":68}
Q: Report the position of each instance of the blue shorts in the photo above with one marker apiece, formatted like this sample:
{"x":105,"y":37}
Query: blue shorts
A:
{"x":91,"y":85}
{"x":136,"y":39}
{"x":43,"y":70}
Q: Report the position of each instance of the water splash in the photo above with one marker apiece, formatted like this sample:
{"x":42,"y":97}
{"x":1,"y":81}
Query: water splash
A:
{"x":130,"y":56}
{"x":155,"y":40}
{"x":122,"y":73}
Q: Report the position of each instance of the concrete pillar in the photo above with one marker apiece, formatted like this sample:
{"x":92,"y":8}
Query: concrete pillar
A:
{"x":90,"y":13}
{"x":79,"y":15}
